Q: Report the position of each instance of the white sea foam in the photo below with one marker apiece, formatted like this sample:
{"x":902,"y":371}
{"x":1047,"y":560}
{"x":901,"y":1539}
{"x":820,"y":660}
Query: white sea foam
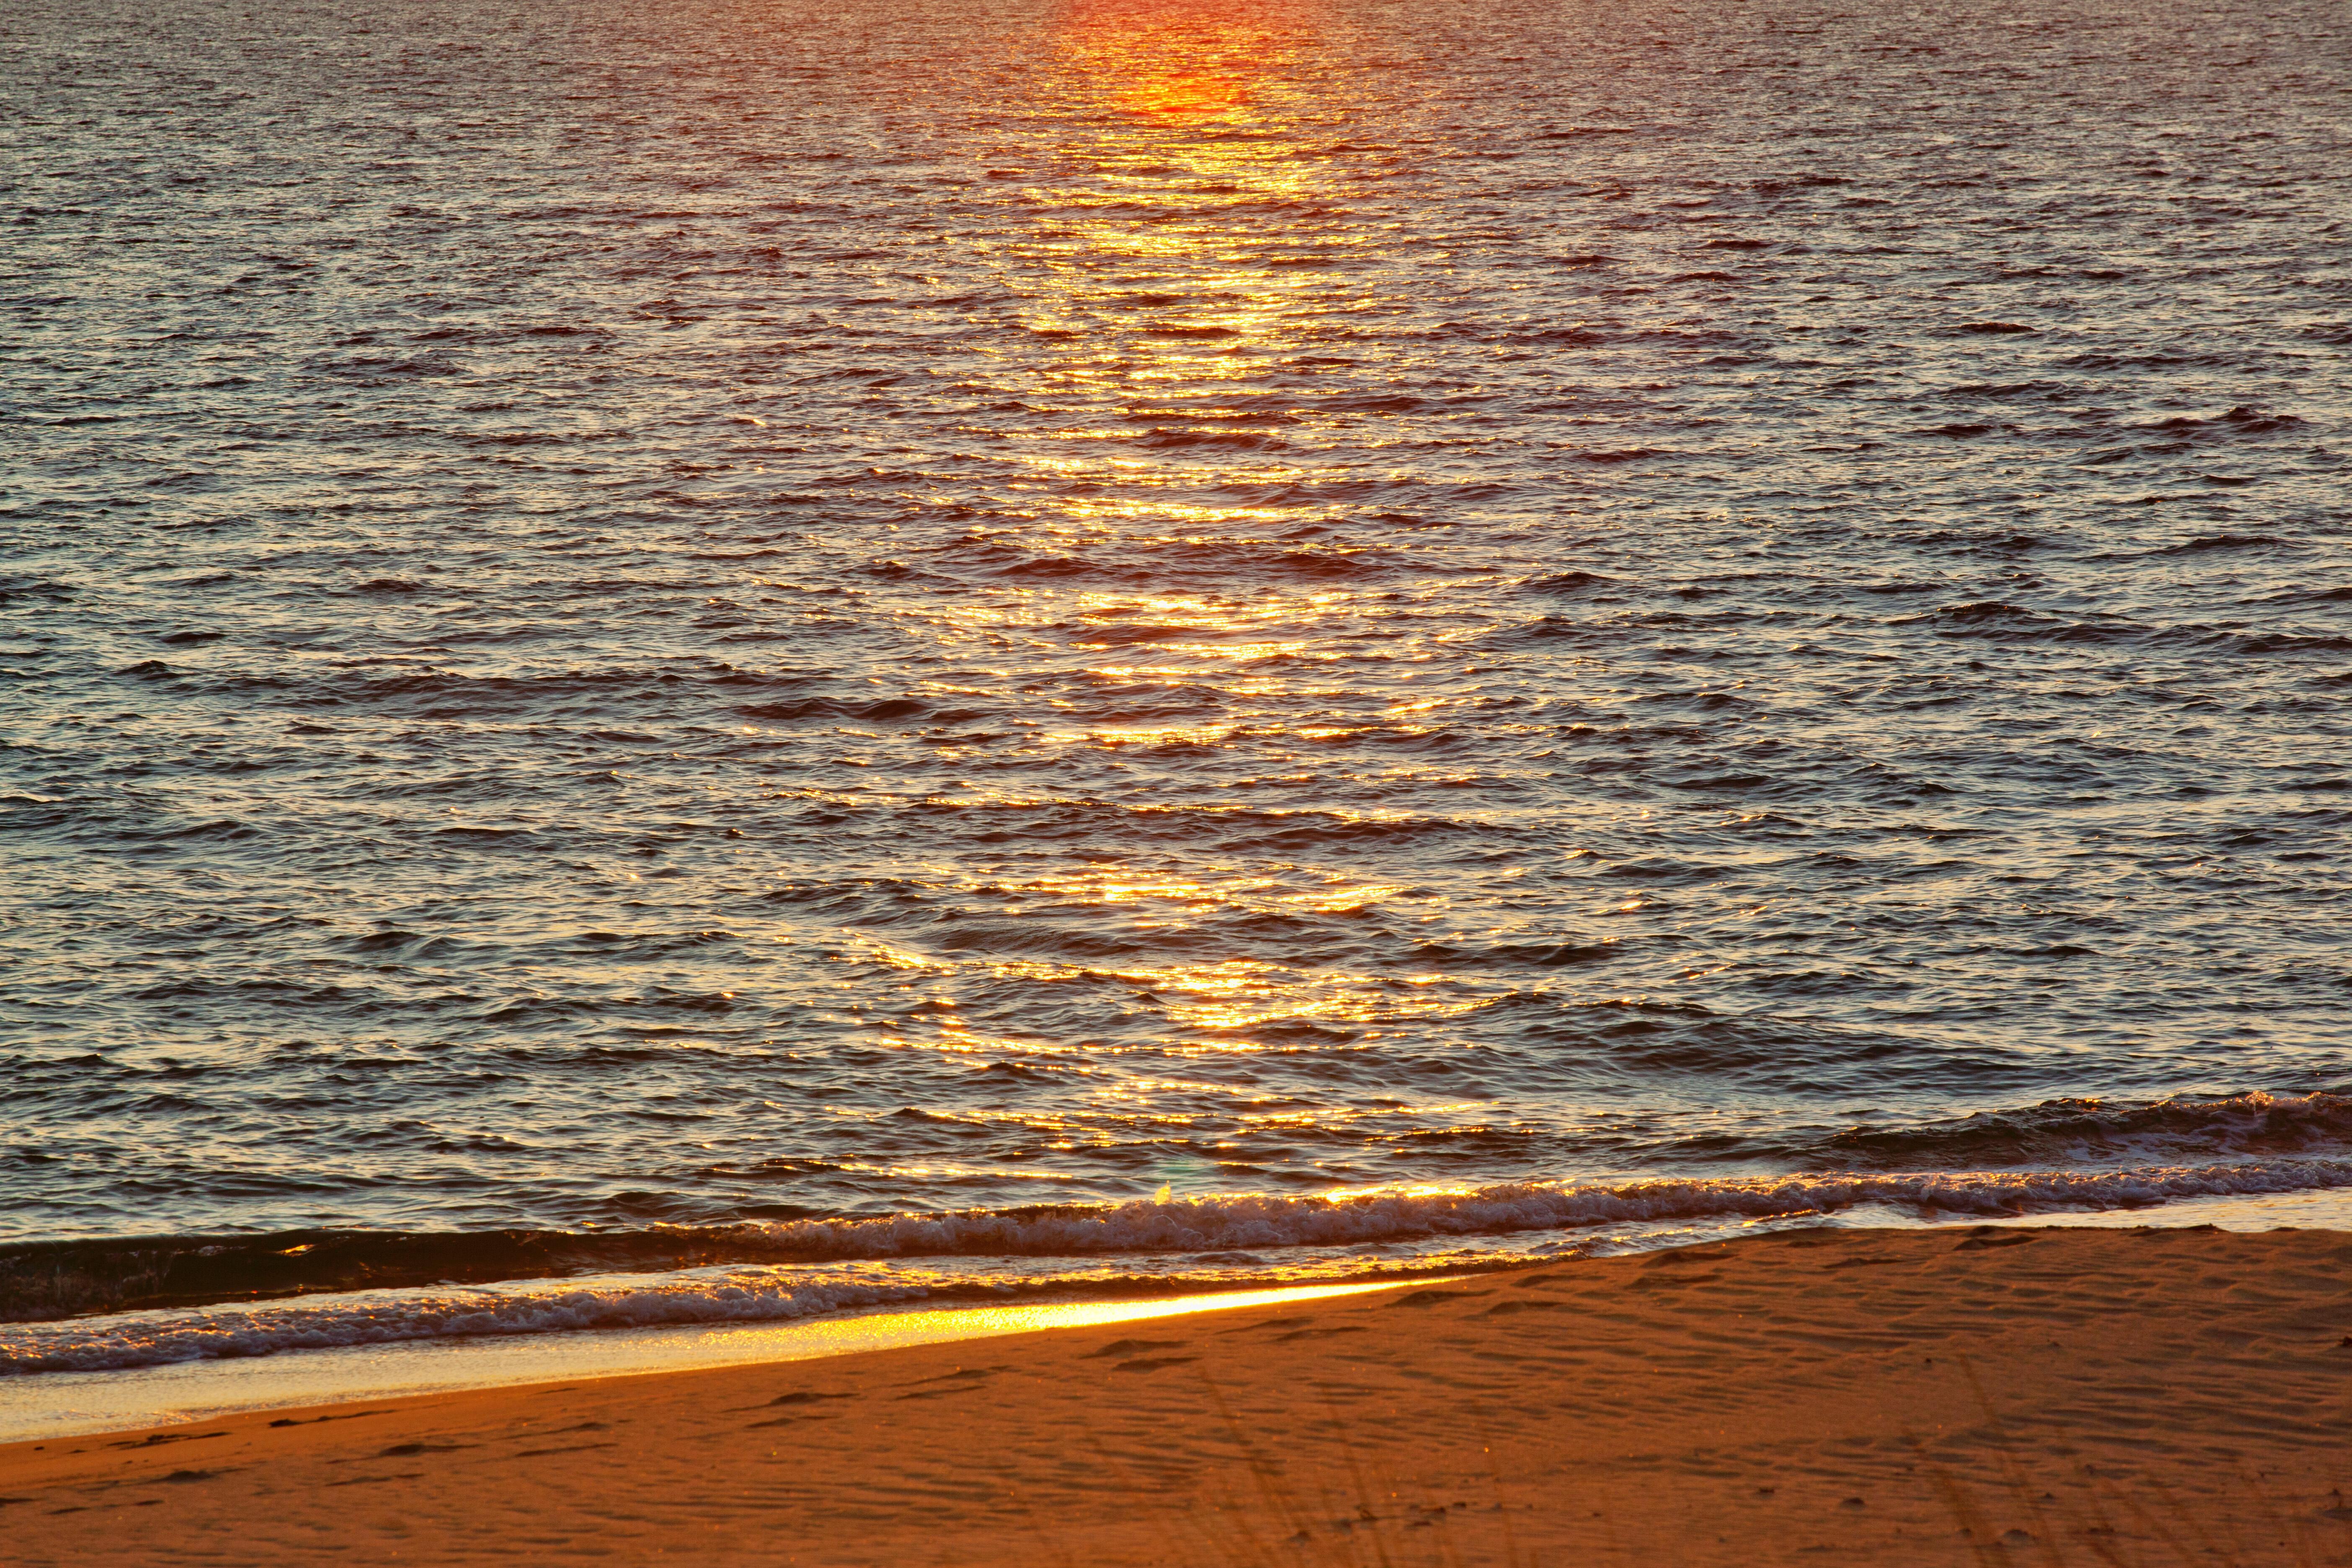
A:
{"x":385,"y":1317}
{"x":1162,"y":1244}
{"x":1267,"y":1220}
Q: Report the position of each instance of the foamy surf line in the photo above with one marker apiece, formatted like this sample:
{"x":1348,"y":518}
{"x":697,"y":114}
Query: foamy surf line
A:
{"x":2056,"y":1157}
{"x":1169,"y":1247}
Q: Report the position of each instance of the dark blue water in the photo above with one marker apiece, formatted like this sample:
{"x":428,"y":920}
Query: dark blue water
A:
{"x":694,"y":634}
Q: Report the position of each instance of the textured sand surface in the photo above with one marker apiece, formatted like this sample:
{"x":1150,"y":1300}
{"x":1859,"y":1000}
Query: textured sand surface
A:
{"x":1949,"y":1397}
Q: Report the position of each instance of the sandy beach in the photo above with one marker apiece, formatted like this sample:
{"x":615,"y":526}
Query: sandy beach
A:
{"x":1954,"y":1395}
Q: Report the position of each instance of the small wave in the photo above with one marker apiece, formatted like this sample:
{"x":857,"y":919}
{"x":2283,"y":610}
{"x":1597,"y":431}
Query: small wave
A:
{"x":1568,"y":583}
{"x":2221,"y":541}
{"x":59,"y":1279}
{"x":394,"y":1316}
{"x":2290,"y":642}
{"x":884,"y":709}
{"x":2089,"y":1132}
{"x":1223,"y":1236}
{"x":2242,"y":418}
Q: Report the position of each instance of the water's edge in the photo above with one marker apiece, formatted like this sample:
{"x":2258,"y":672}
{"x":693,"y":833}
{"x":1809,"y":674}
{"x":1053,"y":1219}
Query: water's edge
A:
{"x":721,"y":1297}
{"x":69,"y":1406}
{"x":64,"y":1403}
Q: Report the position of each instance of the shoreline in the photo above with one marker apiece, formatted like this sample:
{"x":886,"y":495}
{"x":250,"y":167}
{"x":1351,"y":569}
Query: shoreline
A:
{"x":1970,"y":1394}
{"x":870,"y":1313}
{"x":619,"y":1322}
{"x":1166,"y":1244}
{"x":67,"y":1404}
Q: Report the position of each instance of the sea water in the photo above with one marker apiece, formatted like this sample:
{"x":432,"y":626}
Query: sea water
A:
{"x":754,"y":661}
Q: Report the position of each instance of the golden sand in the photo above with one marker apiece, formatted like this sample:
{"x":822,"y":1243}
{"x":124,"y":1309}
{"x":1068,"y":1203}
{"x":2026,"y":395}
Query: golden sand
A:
{"x":1944,"y":1396}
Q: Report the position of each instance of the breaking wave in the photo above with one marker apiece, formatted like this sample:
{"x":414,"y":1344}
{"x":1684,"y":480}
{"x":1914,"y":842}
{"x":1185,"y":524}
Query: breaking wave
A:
{"x":2063,"y":1154}
{"x":1163,"y":1246}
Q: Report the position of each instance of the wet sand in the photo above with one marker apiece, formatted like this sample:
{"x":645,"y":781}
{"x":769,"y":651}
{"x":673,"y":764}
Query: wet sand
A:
{"x":1962,"y":1396}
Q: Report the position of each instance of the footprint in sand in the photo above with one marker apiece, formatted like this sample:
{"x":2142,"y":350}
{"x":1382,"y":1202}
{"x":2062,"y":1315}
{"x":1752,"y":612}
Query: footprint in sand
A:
{"x":966,"y":1379}
{"x":1432,"y":1298}
{"x":1132,"y":1348}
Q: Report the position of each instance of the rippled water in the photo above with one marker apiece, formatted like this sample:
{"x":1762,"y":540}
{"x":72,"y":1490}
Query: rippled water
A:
{"x":683,"y":615}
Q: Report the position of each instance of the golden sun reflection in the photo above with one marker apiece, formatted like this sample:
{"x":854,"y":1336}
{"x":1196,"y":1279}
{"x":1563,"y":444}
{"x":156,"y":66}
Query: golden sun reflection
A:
{"x":1175,"y":119}
{"x":1171,"y":60}
{"x":1183,"y":97}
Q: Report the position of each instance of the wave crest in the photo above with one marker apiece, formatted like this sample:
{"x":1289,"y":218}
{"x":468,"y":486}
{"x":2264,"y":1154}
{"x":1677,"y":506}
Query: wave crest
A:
{"x":1202,"y":1242}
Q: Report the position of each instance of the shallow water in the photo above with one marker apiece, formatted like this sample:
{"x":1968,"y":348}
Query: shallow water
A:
{"x":206,"y":1390}
{"x":655,"y":634}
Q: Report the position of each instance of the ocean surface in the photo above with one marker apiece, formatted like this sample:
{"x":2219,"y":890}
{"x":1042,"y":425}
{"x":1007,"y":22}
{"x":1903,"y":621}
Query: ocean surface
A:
{"x":692,"y":661}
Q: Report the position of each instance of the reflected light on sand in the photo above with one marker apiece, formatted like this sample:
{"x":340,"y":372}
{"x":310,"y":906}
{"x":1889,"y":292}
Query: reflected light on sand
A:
{"x":849,"y":1336}
{"x":59,"y":1405}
